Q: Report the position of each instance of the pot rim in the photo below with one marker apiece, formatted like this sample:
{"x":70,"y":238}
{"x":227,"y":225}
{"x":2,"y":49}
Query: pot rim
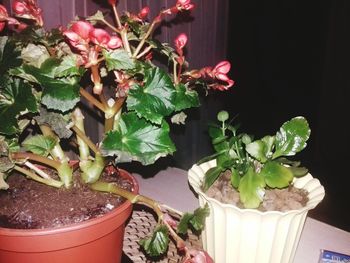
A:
{"x":85,"y":224}
{"x":316,"y":191}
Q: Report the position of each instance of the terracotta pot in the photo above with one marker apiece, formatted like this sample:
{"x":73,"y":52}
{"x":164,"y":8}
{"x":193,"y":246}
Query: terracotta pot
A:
{"x":92,"y":241}
{"x":237,"y":235}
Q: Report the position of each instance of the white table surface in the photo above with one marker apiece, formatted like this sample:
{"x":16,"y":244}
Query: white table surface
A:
{"x":170,"y":187}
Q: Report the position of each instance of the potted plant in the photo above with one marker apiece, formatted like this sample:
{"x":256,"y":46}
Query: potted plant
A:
{"x":258,"y":198}
{"x":44,"y":77}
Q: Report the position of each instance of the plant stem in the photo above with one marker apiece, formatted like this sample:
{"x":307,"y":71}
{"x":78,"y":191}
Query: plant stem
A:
{"x":144,"y":52}
{"x":37,"y":170}
{"x":143,"y":40}
{"x":112,"y":112}
{"x":86,"y":139}
{"x":34,"y":157}
{"x":57,"y":152}
{"x":110,"y":26}
{"x":50,"y":182}
{"x":116,"y":15}
{"x":175,"y":71}
{"x":92,"y":99}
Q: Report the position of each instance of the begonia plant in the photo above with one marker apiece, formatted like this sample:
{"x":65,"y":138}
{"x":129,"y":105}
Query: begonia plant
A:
{"x":44,"y":75}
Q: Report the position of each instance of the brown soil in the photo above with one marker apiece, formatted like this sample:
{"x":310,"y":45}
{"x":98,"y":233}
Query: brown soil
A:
{"x":31,"y":205}
{"x":274,"y":199}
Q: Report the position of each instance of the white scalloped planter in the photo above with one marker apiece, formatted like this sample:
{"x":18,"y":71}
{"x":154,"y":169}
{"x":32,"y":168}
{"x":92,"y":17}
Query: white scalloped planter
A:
{"x":234,"y":235}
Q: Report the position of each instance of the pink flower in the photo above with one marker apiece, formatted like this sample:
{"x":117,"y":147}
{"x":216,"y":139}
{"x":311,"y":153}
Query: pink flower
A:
{"x":79,"y":35}
{"x":181,"y":41}
{"x":219,"y":73}
{"x":102,"y":38}
{"x":143,"y":13}
{"x":184,"y":5}
{"x":28,"y":9}
{"x":3,"y":17}
{"x":198,"y":256}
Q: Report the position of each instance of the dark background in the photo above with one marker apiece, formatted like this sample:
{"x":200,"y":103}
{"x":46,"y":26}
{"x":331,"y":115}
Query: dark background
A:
{"x":288,"y":58}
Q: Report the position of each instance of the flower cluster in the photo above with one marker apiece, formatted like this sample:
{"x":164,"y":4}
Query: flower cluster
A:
{"x":45,"y":74}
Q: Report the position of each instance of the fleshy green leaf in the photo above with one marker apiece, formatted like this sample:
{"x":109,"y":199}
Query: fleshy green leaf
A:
{"x":138,"y":140}
{"x":16,"y":99}
{"x":298,"y":171}
{"x":9,"y":55}
{"x":261,"y":149}
{"x":210,"y":176}
{"x":276,"y":175}
{"x":235,"y":178}
{"x":251,"y":189}
{"x":196,"y":220}
{"x":118,"y":59}
{"x":185,"y":98}
{"x":39,"y":144}
{"x":292,"y":137}
{"x":158,"y":243}
{"x":58,"y":94}
{"x":155,"y":99}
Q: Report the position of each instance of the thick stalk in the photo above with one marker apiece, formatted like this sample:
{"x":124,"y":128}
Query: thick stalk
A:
{"x":78,"y":128}
{"x":111,"y":113}
{"x":143,"y":40}
{"x":33,"y":176}
{"x":92,"y":170}
{"x":97,"y":89}
{"x":37,"y":158}
{"x":92,"y":99}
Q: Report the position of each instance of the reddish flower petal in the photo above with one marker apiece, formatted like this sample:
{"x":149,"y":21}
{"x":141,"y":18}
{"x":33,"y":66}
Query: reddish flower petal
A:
{"x":83,"y":29}
{"x":112,"y":2}
{"x":3,"y":12}
{"x":188,"y":7}
{"x":143,"y":13}
{"x":183,"y":2}
{"x":181,"y":41}
{"x":2,"y":25}
{"x":222,"y":67}
{"x":100,"y":37}
{"x":115,"y":42}
{"x":20,"y":8}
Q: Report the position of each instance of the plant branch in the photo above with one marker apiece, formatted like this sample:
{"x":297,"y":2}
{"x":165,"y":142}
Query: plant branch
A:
{"x":92,"y":99}
{"x":143,"y":40}
{"x":37,"y":170}
{"x":57,"y":153}
{"x":33,"y":176}
{"x":116,"y":15}
{"x":36,"y":158}
{"x":110,"y":26}
{"x":86,"y":139}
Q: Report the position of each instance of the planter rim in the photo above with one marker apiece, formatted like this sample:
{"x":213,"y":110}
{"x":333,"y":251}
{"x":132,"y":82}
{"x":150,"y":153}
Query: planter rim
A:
{"x":312,"y":202}
{"x":75,"y":226}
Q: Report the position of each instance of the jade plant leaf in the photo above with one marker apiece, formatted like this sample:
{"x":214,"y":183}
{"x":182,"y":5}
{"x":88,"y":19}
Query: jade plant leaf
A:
{"x":292,"y":137}
{"x":39,"y":144}
{"x":251,"y":189}
{"x":158,"y":243}
{"x":9,"y":55}
{"x":138,"y":140}
{"x":261,"y":149}
{"x":196,"y":220}
{"x":16,"y":99}
{"x":210,"y":176}
{"x":185,"y":98}
{"x":118,"y":59}
{"x":155,"y":99}
{"x":276,"y":175}
{"x":58,"y":94}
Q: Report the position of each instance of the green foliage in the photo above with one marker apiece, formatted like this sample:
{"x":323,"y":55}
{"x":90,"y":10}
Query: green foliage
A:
{"x":118,"y":59}
{"x":40,"y":144}
{"x":258,"y":164}
{"x":157,"y":244}
{"x":195,"y":220}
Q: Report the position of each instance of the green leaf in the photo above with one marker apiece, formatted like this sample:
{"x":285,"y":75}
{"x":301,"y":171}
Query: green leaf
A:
{"x":68,"y":67}
{"x":185,"y":98}
{"x":195,"y":220}
{"x":118,"y":59}
{"x":298,"y":171}
{"x":158,"y":243}
{"x":292,"y":137}
{"x":211,"y":176}
{"x":261,"y":149}
{"x":39,"y":144}
{"x":58,"y":94}
{"x":235,"y":178}
{"x":251,"y":189}
{"x":98,"y":16}
{"x":276,"y":175}
{"x":138,"y":140}
{"x":155,"y":99}
{"x":9,"y":55}
{"x":16,"y":99}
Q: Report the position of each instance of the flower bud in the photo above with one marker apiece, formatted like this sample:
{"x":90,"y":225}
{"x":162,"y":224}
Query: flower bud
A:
{"x":223,"y":116}
{"x":181,"y":41}
{"x":143,"y":13}
{"x":112,"y":2}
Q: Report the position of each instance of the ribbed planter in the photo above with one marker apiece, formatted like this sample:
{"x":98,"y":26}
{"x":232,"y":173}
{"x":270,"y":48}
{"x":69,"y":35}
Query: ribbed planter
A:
{"x":239,"y":235}
{"x":95,"y":240}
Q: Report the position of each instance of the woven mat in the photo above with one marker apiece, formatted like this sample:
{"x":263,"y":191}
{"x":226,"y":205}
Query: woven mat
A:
{"x":141,"y":223}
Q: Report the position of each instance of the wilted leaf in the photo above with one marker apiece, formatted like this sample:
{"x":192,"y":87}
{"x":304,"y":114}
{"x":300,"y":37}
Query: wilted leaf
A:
{"x":39,"y":144}
{"x":3,"y":184}
{"x":179,"y":118}
{"x":35,"y":55}
{"x":138,"y":140}
{"x":158,"y":243}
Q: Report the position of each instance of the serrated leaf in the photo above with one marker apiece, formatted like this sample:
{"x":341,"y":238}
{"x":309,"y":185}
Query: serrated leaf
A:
{"x":292,"y":137}
{"x":98,"y":16}
{"x":118,"y":59}
{"x":39,"y":144}
{"x":138,"y":140}
{"x":35,"y":55}
{"x":58,"y":94}
{"x":195,"y":220}
{"x":9,"y":55}
{"x":185,"y":98}
{"x":158,"y":243}
{"x":69,"y":67}
{"x":16,"y":99}
{"x":251,"y":189}
{"x":155,"y":99}
{"x":276,"y":175}
{"x":261,"y":149}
